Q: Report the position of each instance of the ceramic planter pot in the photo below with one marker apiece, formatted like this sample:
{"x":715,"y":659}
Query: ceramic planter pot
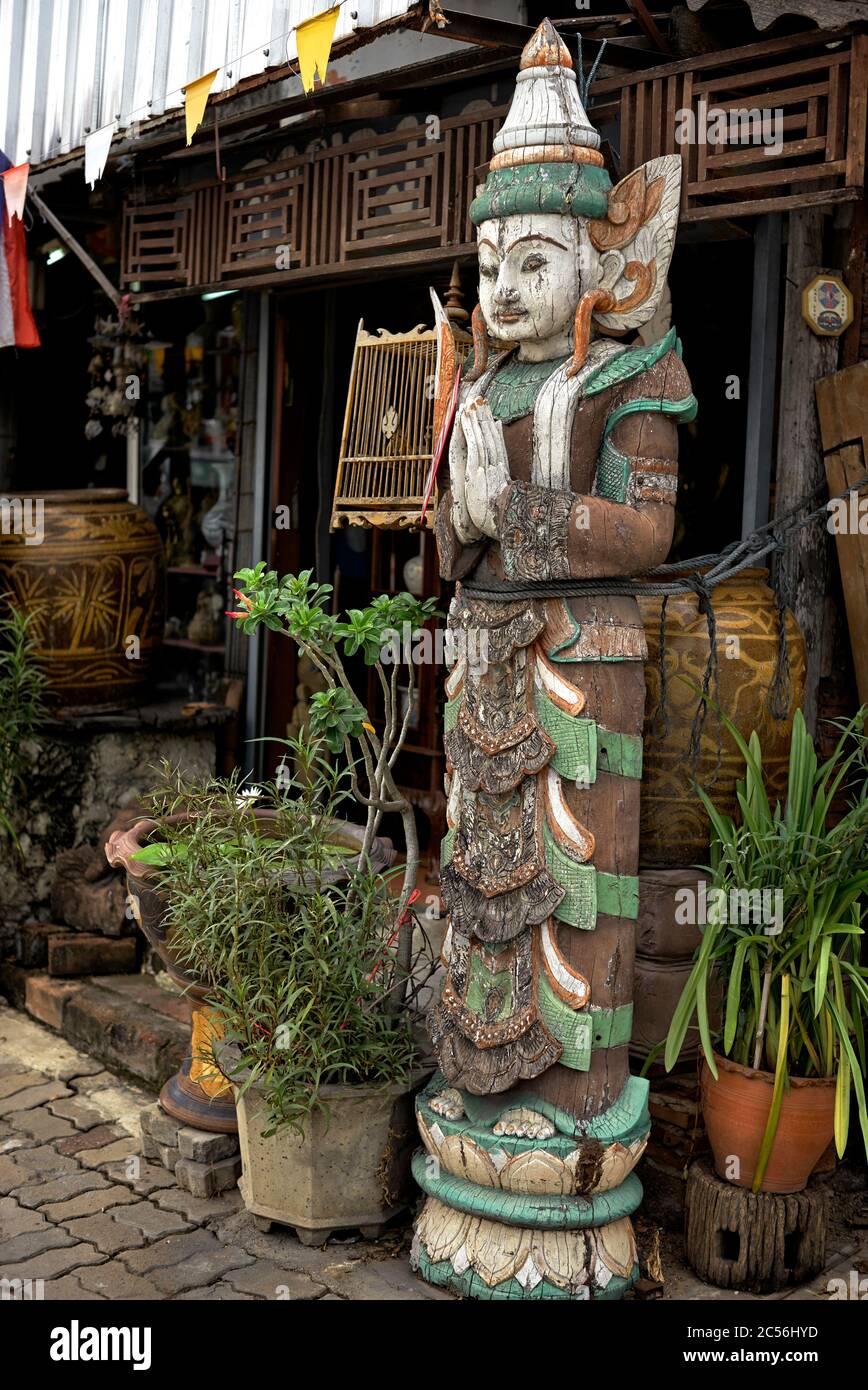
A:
{"x":351,"y":1169}
{"x":96,"y":580}
{"x":199,"y":1094}
{"x":736,"y":1108}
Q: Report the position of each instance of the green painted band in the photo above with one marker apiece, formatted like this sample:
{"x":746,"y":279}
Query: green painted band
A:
{"x":680,"y":411}
{"x":583,"y":1031}
{"x":539,"y":1211}
{"x":577,"y":190}
{"x":575,"y":740}
{"x":631,"y":363}
{"x":468,"y":1284}
{"x":620,"y":754}
{"x":618,"y":895}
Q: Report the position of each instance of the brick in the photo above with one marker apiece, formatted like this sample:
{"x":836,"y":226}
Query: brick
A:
{"x":46,"y":999}
{"x":109,"y":1153}
{"x":125,"y":1034}
{"x":168,"y":1157}
{"x":32,"y":1096}
{"x":159,"y":1126}
{"x":39,"y":1194}
{"x":150,"y":1148}
{"x":88,"y":1203}
{"x":198,"y":1209}
{"x":19,"y":1081}
{"x":52,"y":1263}
{"x":144,"y":990}
{"x":85,"y":954}
{"x":105,"y":1233}
{"x":41,"y":1125}
{"x":266,"y":1280}
{"x":78,"y":1112}
{"x":150,"y":1220}
{"x":207,"y":1179}
{"x":67,"y":1289}
{"x":89,"y":1139}
{"x":15,"y":1220}
{"x":31,"y":942}
{"x":175,"y":1249}
{"x":113,"y":1280}
{"x":13,"y":983}
{"x":30,"y":1243}
{"x":199,"y":1269}
{"x":203,"y":1147}
{"x":45,"y":1161}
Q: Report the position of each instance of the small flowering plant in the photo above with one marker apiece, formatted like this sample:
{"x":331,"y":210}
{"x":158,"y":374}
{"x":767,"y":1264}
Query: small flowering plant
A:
{"x":297,"y":607}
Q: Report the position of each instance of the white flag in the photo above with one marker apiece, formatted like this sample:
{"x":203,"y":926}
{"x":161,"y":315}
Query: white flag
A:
{"x":96,"y":149}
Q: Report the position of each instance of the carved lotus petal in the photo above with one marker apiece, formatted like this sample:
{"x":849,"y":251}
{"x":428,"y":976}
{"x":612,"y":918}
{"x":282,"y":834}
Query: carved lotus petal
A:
{"x":442,"y":1230}
{"x":562,"y":1257}
{"x":618,"y":1161}
{"x":461,"y":1156}
{"x":432,"y":1143}
{"x":496,"y":1251}
{"x":524,"y":1124}
{"x":537,"y":1171}
{"x":616,"y":1245}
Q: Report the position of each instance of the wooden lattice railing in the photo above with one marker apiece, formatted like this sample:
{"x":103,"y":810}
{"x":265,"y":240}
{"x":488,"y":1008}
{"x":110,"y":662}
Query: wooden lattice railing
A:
{"x":396,"y":195}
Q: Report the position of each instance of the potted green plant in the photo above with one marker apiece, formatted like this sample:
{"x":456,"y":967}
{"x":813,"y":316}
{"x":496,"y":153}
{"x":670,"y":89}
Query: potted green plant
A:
{"x":22,"y":710}
{"x":292,"y":936}
{"x":782,"y":935}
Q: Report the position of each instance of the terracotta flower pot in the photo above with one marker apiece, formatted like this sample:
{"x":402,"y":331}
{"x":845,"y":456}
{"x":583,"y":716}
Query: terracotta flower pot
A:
{"x":736,"y":1108}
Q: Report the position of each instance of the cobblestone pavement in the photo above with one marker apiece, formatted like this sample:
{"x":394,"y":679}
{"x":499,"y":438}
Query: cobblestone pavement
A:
{"x":83,"y":1211}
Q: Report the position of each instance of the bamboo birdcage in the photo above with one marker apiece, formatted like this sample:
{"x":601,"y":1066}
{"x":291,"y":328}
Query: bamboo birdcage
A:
{"x":388,"y":436}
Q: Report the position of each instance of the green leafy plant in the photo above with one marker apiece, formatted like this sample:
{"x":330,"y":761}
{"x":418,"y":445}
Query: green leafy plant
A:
{"x":296,"y":606}
{"x":300,"y":960}
{"x":22,"y":709}
{"x":796,"y":994}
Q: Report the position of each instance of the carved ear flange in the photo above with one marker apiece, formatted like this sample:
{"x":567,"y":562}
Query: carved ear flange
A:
{"x":635,"y":241}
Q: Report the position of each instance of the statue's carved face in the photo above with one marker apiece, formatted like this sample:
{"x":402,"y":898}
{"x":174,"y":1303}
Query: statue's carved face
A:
{"x":533,"y":268}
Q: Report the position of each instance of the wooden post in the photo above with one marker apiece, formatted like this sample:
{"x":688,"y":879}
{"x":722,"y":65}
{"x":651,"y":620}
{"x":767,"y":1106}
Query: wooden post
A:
{"x":763,"y":372}
{"x":804,"y":567}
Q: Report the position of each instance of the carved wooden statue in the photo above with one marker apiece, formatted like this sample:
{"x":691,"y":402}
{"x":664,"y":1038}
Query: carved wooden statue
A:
{"x":562,"y":468}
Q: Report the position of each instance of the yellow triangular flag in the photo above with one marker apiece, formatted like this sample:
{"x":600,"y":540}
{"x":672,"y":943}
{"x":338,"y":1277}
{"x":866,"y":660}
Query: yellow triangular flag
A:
{"x":195,"y":98}
{"x":314,"y":40}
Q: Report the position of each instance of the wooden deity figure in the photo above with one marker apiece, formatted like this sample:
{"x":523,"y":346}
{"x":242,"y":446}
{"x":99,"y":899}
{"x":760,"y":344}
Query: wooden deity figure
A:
{"x":563,"y":474}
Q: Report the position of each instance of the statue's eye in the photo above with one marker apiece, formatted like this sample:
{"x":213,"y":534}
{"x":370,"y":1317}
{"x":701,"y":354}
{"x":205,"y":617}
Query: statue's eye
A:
{"x":488,"y":270}
{"x":535,"y":261}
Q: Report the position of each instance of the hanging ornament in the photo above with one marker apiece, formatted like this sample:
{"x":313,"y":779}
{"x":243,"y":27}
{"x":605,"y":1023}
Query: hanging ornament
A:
{"x":15,"y":189}
{"x":195,"y":99}
{"x":96,"y":150}
{"x":314,"y":41}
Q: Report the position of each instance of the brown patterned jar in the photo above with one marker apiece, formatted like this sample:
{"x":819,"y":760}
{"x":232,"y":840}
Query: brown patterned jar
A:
{"x":673,"y":826}
{"x":94,"y":581}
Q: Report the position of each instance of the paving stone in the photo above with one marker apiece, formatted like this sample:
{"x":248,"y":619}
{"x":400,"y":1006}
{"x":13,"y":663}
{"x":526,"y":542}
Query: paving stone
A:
{"x":96,"y":1080}
{"x":203,"y":1147}
{"x":32,"y":1096}
{"x":89,"y":1139}
{"x":82,"y":1115}
{"x":28,"y":1243}
{"x":149,"y":1178}
{"x":15,"y":1220}
{"x":198,"y":1269}
{"x":105,"y":1233}
{"x":267,"y":1280}
{"x":382,"y":1281}
{"x":38,"y":1049}
{"x":46,"y":1161}
{"x":150,"y":1220}
{"x":52,"y":1263}
{"x":171,"y":1250}
{"x":215,"y":1292}
{"x":42,"y":1125}
{"x":68,"y":1290}
{"x":19,"y":1080}
{"x":198,"y":1209}
{"x":121,"y":1104}
{"x":280,"y":1245}
{"x":207,"y":1179}
{"x":39,"y":1194}
{"x":11,"y":1176}
{"x":113,"y":1280}
{"x":109,"y":1153}
{"x":87,"y":1203}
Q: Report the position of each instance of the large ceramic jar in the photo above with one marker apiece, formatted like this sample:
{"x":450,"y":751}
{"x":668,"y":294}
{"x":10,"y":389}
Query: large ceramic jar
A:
{"x":95,"y":584}
{"x":674,"y":827}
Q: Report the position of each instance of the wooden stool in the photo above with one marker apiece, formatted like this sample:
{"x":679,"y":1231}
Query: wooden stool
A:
{"x":758,"y":1243}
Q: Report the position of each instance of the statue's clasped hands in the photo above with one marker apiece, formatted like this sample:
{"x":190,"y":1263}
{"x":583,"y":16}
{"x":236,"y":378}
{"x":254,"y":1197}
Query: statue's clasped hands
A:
{"x":479,"y":470}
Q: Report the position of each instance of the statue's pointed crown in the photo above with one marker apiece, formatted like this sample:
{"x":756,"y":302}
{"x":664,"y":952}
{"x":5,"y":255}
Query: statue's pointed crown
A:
{"x":546,"y":154}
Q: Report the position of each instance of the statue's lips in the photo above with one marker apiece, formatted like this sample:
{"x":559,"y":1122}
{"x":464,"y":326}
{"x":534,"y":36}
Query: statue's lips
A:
{"x":511,"y":315}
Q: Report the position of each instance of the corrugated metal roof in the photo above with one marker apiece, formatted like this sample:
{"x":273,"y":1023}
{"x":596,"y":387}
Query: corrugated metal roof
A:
{"x":68,"y":67}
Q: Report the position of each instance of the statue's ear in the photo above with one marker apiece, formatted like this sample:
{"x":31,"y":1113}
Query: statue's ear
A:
{"x":635,"y":241}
